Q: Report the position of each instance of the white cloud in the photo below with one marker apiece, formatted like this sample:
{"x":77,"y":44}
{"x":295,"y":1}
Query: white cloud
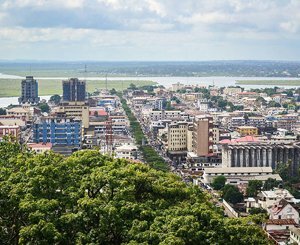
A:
{"x":207,"y":18}
{"x":140,"y":24}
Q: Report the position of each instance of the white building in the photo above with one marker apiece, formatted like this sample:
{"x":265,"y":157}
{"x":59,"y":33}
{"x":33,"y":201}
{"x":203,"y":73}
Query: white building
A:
{"x":268,"y":198}
{"x":126,"y":151}
{"x":40,"y":147}
{"x":237,"y":175}
{"x":294,"y":235}
{"x":283,"y":210}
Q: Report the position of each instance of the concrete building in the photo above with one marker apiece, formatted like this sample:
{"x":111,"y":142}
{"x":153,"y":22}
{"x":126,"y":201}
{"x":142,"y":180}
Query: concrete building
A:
{"x":18,"y":112}
{"x":177,"y":86}
{"x":74,"y":90}
{"x":192,"y":96}
{"x":6,"y":120}
{"x":233,"y":174}
{"x":13,"y":131}
{"x":29,"y":91}
{"x":58,"y":131}
{"x":74,"y":109}
{"x":202,"y":135}
{"x":283,"y":210}
{"x":236,"y":122}
{"x":247,"y":130}
{"x":177,"y":140}
{"x":232,"y":90}
{"x":216,"y":135}
{"x":267,"y":199}
{"x":203,"y":105}
{"x":126,"y":151}
{"x":164,"y":115}
{"x":260,"y":154}
{"x":259,"y":122}
{"x":294,"y":235}
{"x":40,"y":147}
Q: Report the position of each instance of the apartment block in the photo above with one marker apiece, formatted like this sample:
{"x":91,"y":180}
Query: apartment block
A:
{"x":29,"y":91}
{"x":57,"y":131}
{"x":202,"y":135}
{"x":74,"y":90}
{"x":74,"y":109}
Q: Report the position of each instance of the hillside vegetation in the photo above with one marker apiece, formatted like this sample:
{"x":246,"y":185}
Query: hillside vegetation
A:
{"x":90,"y":198}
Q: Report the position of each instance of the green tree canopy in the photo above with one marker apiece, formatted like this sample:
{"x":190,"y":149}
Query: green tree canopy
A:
{"x":89,"y":198}
{"x":270,"y":184}
{"x":254,"y":186}
{"x":44,"y":107}
{"x":219,"y":182}
{"x":232,"y":194}
{"x":2,"y":111}
{"x":55,"y":99}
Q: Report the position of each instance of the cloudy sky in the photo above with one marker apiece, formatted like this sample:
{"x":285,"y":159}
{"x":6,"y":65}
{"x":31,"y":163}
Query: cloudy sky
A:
{"x":150,"y":29}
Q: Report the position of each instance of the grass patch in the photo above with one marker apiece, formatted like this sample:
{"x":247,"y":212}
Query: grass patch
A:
{"x":269,"y":82}
{"x":12,"y":87}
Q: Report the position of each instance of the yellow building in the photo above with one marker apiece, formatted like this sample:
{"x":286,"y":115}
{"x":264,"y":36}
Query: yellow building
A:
{"x":76,"y":109}
{"x":247,"y":130}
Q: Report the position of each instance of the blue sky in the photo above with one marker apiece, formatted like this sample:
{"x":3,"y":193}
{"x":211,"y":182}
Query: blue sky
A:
{"x":150,"y":29}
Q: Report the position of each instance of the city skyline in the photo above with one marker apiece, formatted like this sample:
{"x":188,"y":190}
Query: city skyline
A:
{"x":116,"y":30}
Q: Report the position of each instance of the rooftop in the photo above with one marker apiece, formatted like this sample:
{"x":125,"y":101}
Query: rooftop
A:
{"x":239,"y":170}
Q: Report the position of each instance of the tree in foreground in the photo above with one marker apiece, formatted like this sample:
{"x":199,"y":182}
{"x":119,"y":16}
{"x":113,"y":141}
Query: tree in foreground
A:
{"x":89,"y":198}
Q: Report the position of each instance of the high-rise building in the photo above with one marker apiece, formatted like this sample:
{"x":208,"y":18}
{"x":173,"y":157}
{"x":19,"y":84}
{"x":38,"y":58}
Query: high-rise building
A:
{"x":202,"y":135}
{"x":74,"y":90}
{"x":29,"y":92}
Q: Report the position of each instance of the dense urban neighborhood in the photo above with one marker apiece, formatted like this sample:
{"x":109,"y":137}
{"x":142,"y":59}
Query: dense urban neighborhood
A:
{"x":241,"y":147}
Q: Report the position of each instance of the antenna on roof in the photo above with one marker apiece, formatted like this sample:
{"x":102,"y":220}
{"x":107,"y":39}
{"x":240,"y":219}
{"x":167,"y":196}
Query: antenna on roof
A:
{"x":85,"y":71}
{"x":106,"y":81}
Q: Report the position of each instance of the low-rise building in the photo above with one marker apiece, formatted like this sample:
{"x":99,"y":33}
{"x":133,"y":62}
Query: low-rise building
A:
{"x":126,"y":151}
{"x":283,"y":210}
{"x":9,"y":131}
{"x":247,"y":130}
{"x":40,"y":147}
{"x":232,"y":174}
{"x":268,"y":198}
{"x":295,"y":235}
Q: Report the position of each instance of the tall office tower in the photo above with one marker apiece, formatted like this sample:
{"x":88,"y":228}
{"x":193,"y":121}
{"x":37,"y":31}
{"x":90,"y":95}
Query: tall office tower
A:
{"x":202,"y":135}
{"x":29,"y":88}
{"x":74,"y":90}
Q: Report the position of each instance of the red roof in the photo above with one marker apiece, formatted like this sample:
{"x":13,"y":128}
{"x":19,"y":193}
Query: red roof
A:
{"x":248,"y":138}
{"x":242,"y":93}
{"x":39,"y":145}
{"x":281,"y":222}
{"x":100,"y":112}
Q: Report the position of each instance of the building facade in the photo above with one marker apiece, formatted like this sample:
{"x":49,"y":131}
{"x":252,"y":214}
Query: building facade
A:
{"x":10,"y":131}
{"x":247,"y":130}
{"x":202,"y":135}
{"x":29,"y":91}
{"x":260,"y":154}
{"x":74,"y":109}
{"x":74,"y":90}
{"x":58,"y":131}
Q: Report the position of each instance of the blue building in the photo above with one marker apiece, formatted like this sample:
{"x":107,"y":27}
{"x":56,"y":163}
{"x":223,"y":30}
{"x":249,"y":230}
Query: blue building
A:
{"x":58,"y":131}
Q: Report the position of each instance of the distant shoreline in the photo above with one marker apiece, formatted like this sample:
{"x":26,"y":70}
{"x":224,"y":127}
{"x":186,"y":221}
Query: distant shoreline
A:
{"x":284,"y":82}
